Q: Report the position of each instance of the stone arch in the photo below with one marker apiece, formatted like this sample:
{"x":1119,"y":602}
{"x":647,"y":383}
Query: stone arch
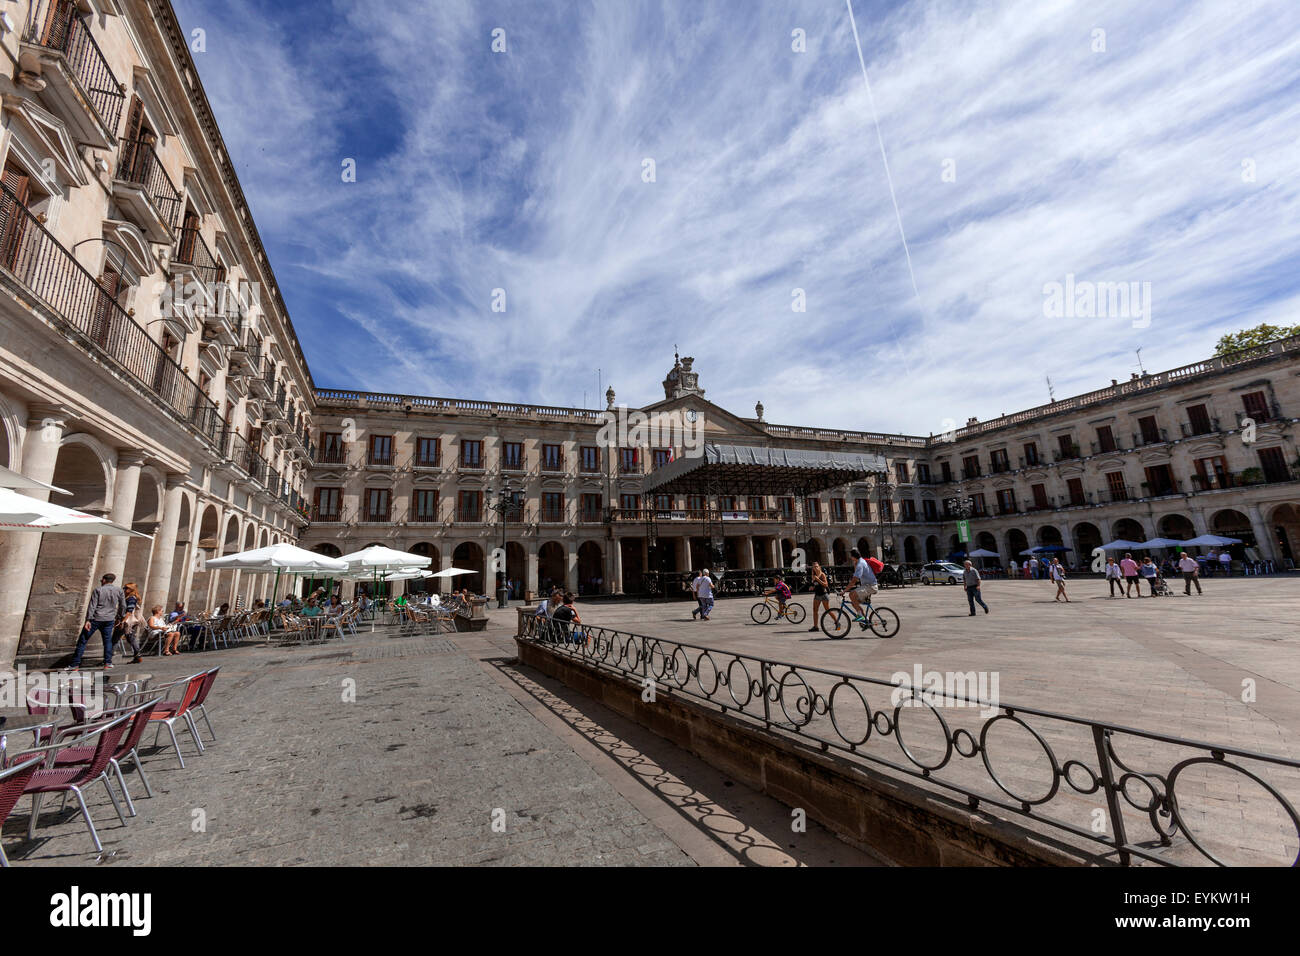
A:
{"x":12,"y":432}
{"x":813,"y":551}
{"x":1233,"y":524}
{"x":1087,"y":536}
{"x":207,"y":543}
{"x":65,"y":563}
{"x":332,"y":550}
{"x":469,"y":555}
{"x":145,"y":519}
{"x":1176,"y":525}
{"x":1049,"y":535}
{"x":911,"y":550}
{"x":864,"y":546}
{"x":1284,"y":526}
{"x":840,"y":552}
{"x":1017,"y":541}
{"x":932,"y":547}
{"x":107,"y":459}
{"x":986,"y":541}
{"x":591,"y":568}
{"x":1128,"y":529}
{"x":552,"y":567}
{"x":181,"y":556}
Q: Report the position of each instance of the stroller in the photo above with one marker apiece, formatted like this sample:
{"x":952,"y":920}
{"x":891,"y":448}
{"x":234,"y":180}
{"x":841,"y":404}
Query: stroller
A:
{"x":1159,"y":588}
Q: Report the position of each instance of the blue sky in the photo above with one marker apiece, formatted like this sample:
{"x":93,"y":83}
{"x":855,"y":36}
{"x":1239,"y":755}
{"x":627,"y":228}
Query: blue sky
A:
{"x":523,"y":171}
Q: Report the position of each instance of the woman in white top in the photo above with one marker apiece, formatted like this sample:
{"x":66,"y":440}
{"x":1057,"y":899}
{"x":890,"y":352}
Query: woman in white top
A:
{"x":1058,"y":575}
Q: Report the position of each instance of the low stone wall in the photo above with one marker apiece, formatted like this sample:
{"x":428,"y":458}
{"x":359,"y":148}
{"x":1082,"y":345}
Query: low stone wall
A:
{"x":889,"y":817}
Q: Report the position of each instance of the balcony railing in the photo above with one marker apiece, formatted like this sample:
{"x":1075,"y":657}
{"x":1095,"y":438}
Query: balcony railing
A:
{"x":139,"y":164}
{"x":246,"y":457}
{"x":53,"y":275}
{"x":191,"y":250}
{"x":59,"y":29}
{"x":1191,"y":429}
{"x":333,"y":455}
{"x":326,"y":515}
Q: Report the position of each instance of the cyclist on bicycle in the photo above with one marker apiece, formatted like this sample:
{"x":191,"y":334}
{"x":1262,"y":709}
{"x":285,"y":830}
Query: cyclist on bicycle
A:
{"x":782,"y":592}
{"x":861,"y":586}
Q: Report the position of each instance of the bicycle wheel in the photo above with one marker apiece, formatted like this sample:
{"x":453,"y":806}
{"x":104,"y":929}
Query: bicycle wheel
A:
{"x":836,"y":623}
{"x":794,"y":613}
{"x":884,"y":622}
{"x":761,"y":612}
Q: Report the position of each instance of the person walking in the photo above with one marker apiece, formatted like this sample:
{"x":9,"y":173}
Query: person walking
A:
{"x":132,"y":625}
{"x":1225,"y":563}
{"x":703,"y":588}
{"x":1130,"y":569}
{"x":695,"y":590}
{"x":1150,"y":572}
{"x":1114,"y":577}
{"x":1033,"y":567}
{"x":820,"y":584}
{"x":1058,"y":575}
{"x":107,"y":607}
{"x":971,"y":578}
{"x":1013,"y":568}
{"x":1191,"y":573}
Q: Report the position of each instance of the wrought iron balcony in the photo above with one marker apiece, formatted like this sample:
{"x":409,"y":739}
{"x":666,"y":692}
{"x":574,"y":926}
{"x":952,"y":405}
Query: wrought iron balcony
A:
{"x":76,"y":76}
{"x":193,"y":252}
{"x":55,"y":278}
{"x":143,"y":188}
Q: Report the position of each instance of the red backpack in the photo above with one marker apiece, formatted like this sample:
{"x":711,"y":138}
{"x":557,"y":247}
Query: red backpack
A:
{"x":876,"y":565}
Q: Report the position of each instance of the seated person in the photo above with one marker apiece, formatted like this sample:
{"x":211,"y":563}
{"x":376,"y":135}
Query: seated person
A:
{"x":335,"y":606}
{"x":312,"y":609}
{"x":565,"y":617}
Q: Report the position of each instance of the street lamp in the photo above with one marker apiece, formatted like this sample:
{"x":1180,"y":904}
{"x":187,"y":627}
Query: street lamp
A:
{"x":963,"y":506}
{"x":503,"y":505}
{"x":885,"y":492}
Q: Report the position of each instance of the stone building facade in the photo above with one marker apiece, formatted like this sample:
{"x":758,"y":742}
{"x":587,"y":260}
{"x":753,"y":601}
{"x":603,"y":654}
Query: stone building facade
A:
{"x":147,"y":363}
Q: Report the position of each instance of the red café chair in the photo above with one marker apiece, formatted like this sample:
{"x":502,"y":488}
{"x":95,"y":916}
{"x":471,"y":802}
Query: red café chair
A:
{"x":139,"y":717}
{"x":167,"y":712}
{"x":13,"y":784}
{"x":56,"y":779}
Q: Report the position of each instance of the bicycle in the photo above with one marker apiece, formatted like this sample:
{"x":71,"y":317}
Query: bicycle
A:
{"x":836,"y":622}
{"x":762,"y":611}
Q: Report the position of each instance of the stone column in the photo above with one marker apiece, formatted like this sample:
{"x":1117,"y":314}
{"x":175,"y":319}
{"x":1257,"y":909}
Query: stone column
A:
{"x":1263,"y":534}
{"x":20,"y":549}
{"x":126,"y":484}
{"x":616,"y":582}
{"x":531,"y":583}
{"x":571,"y":571}
{"x":164,"y":547}
{"x":747,"y":552}
{"x":774,"y":551}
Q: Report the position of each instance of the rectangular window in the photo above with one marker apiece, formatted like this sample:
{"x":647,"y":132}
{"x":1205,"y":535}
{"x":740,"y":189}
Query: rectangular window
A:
{"x":512,"y":455}
{"x":1075,"y":487}
{"x":930,"y":509}
{"x":900,"y":472}
{"x":978,"y":507}
{"x":756,"y":503}
{"x":1115,"y":485}
{"x":923,"y":473}
{"x":1040,"y":496}
{"x":1198,"y":419}
{"x":814,"y":508}
{"x":695,"y":503}
{"x":909,"y":509}
{"x":629,"y":461}
{"x":1006,"y":501}
{"x":332,"y":449}
{"x":377,"y":504}
{"x":838,"y":510}
{"x":1031,"y":453}
{"x":469,"y":505}
{"x":552,"y":506}
{"x":471,"y":454}
{"x":1065,"y":445}
{"x":886,"y":510}
{"x":785,"y":506}
{"x":1256,"y":405}
{"x":727,"y":503}
{"x":1105,"y":438}
{"x":999,"y":461}
{"x":663,"y":503}
{"x":629,"y":503}
{"x":662,"y":456}
{"x":552,"y":458}
{"x":424,"y":505}
{"x":1274,"y":464}
{"x":946,"y":470}
{"x":428,"y":452}
{"x":592,"y":508}
{"x":590,"y":459}
{"x":328,"y":504}
{"x":1150,"y":430}
{"x":862,"y":509}
{"x":1213,"y":472}
{"x":970,"y":466}
{"x":381,"y":449}
{"x":1160,"y":480}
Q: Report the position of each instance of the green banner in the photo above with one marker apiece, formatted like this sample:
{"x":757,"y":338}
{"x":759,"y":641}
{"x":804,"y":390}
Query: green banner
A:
{"x":963,"y":530}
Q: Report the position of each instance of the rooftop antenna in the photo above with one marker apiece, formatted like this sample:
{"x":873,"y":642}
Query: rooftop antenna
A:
{"x":1051,"y":394}
{"x":1140,"y":368}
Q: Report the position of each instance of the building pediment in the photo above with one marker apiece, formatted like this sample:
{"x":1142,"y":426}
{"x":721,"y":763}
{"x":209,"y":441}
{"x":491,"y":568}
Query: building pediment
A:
{"x":135,"y":247}
{"x":47,"y":134}
{"x":718,"y":423}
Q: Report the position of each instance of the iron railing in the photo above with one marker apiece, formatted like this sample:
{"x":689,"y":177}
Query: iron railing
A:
{"x":56,"y":27}
{"x":976,"y":747}
{"x":191,"y":250}
{"x":53,"y":275}
{"x":139,"y":164}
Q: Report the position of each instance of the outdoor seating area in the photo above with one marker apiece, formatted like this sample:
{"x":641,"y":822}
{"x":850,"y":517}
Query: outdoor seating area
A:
{"x":68,"y":745}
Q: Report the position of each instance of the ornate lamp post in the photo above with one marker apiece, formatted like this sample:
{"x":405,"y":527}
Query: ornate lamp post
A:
{"x":503,"y":504}
{"x":963,"y":506}
{"x":885,"y":493}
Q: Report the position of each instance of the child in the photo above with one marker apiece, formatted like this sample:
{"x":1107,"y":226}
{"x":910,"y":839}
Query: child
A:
{"x":781,"y":590}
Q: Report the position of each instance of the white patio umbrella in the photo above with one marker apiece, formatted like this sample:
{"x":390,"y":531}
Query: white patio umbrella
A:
{"x":1163,"y":543}
{"x":279,"y":558}
{"x":1120,"y":544}
{"x":24,"y":513}
{"x":1211,"y":541}
{"x":12,"y":479}
{"x":452,"y":572}
{"x":407,"y":574}
{"x":377,"y":559}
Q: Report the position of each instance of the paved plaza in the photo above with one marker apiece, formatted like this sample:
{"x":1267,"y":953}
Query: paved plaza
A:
{"x":448,"y":733}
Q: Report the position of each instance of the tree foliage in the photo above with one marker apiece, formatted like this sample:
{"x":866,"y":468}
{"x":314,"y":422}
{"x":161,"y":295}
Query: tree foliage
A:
{"x":1249,"y":338}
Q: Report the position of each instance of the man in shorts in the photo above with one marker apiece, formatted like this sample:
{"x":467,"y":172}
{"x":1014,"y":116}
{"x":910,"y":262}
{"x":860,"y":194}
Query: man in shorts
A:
{"x":862,"y":585}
